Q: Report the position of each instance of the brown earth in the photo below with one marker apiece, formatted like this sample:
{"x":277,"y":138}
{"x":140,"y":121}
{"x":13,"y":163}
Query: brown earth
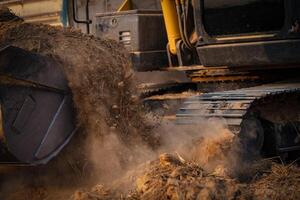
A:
{"x":98,"y":71}
{"x":169,"y":177}
{"x":109,"y":112}
{"x":117,"y":146}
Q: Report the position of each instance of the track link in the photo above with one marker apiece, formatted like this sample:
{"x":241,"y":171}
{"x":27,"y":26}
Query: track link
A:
{"x":234,"y":106}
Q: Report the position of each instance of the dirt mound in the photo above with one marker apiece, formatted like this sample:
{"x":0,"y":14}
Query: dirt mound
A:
{"x":99,"y":75}
{"x":173,"y":178}
{"x":279,"y":182}
{"x":104,"y":93}
{"x":170,"y":177}
{"x":116,"y":132}
{"x":98,"y":71}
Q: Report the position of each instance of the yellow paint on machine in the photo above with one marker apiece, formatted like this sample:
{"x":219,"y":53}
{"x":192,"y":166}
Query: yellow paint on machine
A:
{"x":40,"y":11}
{"x":126,"y":5}
{"x":171,"y":23}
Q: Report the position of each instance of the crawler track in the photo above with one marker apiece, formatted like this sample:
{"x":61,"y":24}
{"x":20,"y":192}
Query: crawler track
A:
{"x":269,"y":108}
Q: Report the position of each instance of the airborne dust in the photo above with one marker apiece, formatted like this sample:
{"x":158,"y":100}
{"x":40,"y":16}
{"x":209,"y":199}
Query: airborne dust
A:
{"x":121,"y":151}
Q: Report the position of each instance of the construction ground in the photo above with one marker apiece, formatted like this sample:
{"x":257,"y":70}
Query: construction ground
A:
{"x":122,"y":150}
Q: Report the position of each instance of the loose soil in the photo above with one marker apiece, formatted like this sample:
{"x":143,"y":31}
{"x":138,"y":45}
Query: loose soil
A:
{"x":170,"y":177}
{"x":117,"y":152}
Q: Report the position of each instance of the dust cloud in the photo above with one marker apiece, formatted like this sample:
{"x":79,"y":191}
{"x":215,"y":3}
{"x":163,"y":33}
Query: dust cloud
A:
{"x":104,"y":95}
{"x":118,"y":147}
{"x":207,"y":144}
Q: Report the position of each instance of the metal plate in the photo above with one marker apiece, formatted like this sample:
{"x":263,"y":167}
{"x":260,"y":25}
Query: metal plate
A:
{"x":38,"y":117}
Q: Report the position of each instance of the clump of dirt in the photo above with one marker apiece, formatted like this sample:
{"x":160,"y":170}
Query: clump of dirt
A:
{"x":98,"y":71}
{"x":171,"y":177}
{"x":97,"y":192}
{"x":105,"y":96}
{"x":279,"y":182}
{"x":174,"y":178}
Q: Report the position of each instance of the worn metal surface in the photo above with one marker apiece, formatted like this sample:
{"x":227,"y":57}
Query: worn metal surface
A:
{"x":141,"y":31}
{"x":251,"y":33}
{"x":105,"y":6}
{"x":37,"y":109}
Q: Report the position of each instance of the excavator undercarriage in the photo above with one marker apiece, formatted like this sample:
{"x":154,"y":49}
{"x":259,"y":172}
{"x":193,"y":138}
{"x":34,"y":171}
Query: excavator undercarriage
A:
{"x":266,"y":117}
{"x":240,"y":57}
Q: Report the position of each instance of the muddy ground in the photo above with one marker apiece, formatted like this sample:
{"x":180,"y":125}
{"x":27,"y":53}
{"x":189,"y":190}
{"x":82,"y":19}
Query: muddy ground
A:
{"x":123,"y":151}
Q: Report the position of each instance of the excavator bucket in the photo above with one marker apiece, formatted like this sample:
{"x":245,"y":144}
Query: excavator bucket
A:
{"x":36,"y":106}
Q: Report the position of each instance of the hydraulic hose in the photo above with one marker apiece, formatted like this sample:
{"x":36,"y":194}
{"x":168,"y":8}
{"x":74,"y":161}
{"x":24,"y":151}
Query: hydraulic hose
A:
{"x":185,"y":17}
{"x":178,"y":9}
